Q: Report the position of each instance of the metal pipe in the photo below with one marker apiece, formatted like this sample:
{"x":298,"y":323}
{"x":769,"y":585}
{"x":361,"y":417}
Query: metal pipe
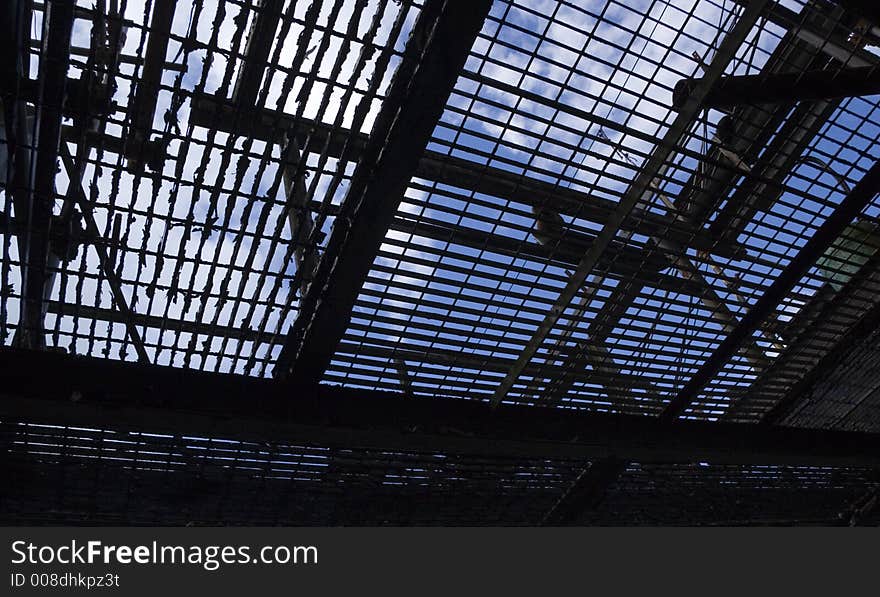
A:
{"x":811,"y":85}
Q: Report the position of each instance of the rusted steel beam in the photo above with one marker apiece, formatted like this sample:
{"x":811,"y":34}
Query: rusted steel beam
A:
{"x":434,"y":55}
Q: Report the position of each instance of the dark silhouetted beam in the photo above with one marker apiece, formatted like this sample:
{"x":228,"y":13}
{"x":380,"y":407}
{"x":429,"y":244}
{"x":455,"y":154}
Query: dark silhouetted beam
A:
{"x":432,"y":59}
{"x":37,"y":214}
{"x":150,"y":152}
{"x":152,"y":321}
{"x":860,"y":196}
{"x":14,"y":65}
{"x":624,"y":261}
{"x":261,"y":123}
{"x":77,"y":97}
{"x":143,"y":107}
{"x":433,"y":355}
{"x":256,"y":54}
{"x":52,"y":388}
{"x":123,"y":58}
{"x":812,"y":85}
{"x":108,"y":267}
{"x":532,"y":192}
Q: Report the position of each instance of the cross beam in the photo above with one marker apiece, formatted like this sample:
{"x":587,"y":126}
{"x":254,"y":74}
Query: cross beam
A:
{"x":433,"y":57}
{"x":98,"y":393}
{"x":259,"y":44}
{"x":265,"y":124}
{"x":143,"y":108}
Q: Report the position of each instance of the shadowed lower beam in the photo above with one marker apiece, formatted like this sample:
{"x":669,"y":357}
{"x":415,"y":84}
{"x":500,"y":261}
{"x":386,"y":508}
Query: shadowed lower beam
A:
{"x":51,"y":388}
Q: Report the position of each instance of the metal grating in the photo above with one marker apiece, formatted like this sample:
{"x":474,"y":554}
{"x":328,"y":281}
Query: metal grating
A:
{"x":536,"y":203}
{"x":196,"y":225}
{"x":556,"y":111}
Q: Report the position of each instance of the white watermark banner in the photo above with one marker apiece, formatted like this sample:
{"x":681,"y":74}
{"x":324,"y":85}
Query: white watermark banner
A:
{"x":248,"y":562}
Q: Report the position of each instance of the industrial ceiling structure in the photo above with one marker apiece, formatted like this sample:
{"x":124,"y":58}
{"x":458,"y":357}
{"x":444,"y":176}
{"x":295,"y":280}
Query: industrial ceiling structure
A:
{"x":495,"y":262}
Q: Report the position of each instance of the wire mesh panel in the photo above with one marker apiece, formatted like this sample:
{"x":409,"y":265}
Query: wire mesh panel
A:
{"x":197,"y":243}
{"x":558,"y":109}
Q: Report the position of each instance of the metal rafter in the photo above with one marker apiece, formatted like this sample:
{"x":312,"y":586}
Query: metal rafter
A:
{"x":122,"y":395}
{"x":143,"y":108}
{"x":107,"y":265}
{"x":783,"y":88}
{"x":259,"y":43}
{"x":37,"y":257}
{"x":434,"y":55}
